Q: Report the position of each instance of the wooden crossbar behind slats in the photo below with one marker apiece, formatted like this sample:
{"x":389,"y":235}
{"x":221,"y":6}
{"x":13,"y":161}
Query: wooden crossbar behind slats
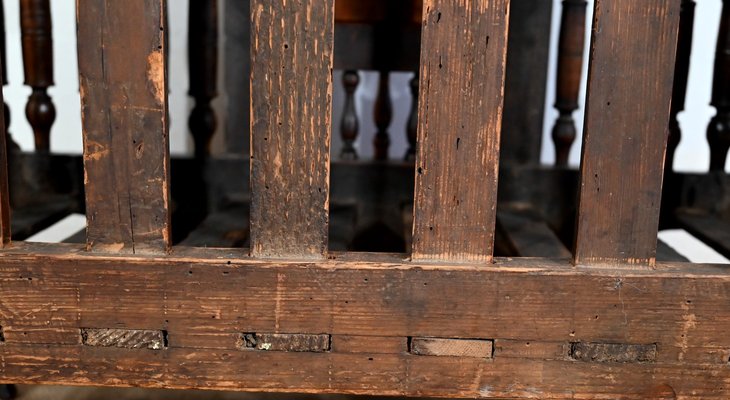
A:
{"x":291,"y":99}
{"x":627,"y":112}
{"x":123,"y":82}
{"x":463,"y":52}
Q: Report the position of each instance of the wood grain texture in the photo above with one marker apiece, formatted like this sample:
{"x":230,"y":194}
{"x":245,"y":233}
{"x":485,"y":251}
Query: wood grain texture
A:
{"x":285,"y":342}
{"x":123,"y":83}
{"x":4,"y":188}
{"x":463,"y":54}
{"x":369,"y":344}
{"x":291,"y":99}
{"x":52,"y":291}
{"x":440,"y":347}
{"x":629,"y":93}
{"x":613,"y":352}
{"x":123,"y":338}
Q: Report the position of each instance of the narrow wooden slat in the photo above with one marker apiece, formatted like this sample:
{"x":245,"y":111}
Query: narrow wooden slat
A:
{"x":630,"y":86}
{"x":124,"y":108}
{"x":463,"y":53}
{"x":4,"y":189}
{"x":291,"y":99}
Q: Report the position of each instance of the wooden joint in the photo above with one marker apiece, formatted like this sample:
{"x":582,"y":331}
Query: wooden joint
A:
{"x":124,"y":338}
{"x":288,"y":342}
{"x":474,"y":348}
{"x":613,"y":352}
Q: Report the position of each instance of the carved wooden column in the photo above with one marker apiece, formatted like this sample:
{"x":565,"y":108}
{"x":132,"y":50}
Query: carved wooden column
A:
{"x":412,"y":124}
{"x":349,"y":125}
{"x":383,"y":114}
{"x":570,"y":65}
{"x":35,"y":25}
{"x":718,"y":132}
{"x":681,"y":73}
{"x":203,"y":66}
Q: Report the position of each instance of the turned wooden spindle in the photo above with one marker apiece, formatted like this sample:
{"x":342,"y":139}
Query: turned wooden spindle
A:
{"x":203,"y":65}
{"x":35,"y":25}
{"x":718,"y":132}
{"x":349,"y":126}
{"x":3,"y":59}
{"x":383,"y":114}
{"x":412,"y":124}
{"x":570,"y":65}
{"x":681,"y":73}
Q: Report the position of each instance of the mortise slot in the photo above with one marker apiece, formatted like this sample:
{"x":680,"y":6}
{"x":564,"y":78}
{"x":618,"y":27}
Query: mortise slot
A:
{"x":124,"y":338}
{"x":290,"y":342}
{"x":476,"y":348}
{"x":613,"y":352}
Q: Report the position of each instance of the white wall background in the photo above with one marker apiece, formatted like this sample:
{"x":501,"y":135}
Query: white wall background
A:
{"x":692,"y":154}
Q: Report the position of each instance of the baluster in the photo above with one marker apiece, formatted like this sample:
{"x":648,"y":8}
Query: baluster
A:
{"x":35,"y":25}
{"x":383,"y":114}
{"x":570,"y":65}
{"x":203,"y":64}
{"x":412,"y":124}
{"x":681,"y":72}
{"x":350,"y":125}
{"x":718,"y":132}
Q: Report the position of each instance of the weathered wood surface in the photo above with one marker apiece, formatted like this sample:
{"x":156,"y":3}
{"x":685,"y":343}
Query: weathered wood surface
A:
{"x":4,"y":188}
{"x":285,"y":342}
{"x":533,"y":310}
{"x":123,"y":338}
{"x":124,"y":109}
{"x":625,"y":132}
{"x":613,"y":352}
{"x":291,"y":98}
{"x":463,"y":51}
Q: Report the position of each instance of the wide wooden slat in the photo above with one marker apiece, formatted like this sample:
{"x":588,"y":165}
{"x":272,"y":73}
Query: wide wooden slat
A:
{"x":463,"y":52}
{"x":291,"y":99}
{"x":4,"y":188}
{"x":537,"y":312}
{"x":123,"y":81}
{"x":630,"y":87}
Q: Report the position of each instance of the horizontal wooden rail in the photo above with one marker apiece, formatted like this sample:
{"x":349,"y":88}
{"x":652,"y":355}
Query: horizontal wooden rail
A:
{"x":555,"y":331}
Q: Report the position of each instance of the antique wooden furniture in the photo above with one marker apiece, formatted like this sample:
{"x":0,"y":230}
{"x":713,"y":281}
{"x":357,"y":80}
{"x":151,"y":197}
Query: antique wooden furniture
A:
{"x":578,"y":302}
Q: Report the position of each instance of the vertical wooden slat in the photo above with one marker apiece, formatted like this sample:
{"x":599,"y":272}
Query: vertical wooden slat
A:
{"x":629,"y":92}
{"x":463,"y":53}
{"x":291,"y":98}
{"x":4,"y":192}
{"x":124,"y":109}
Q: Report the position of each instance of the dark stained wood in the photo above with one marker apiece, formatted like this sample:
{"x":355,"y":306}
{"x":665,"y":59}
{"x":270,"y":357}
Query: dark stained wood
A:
{"x":525,"y":84}
{"x":124,"y":108}
{"x":123,"y":338}
{"x":4,"y":75}
{"x":203,"y":67}
{"x":285,"y":342}
{"x":35,"y":24}
{"x":528,"y":235}
{"x":440,"y":347}
{"x":4,"y":188}
{"x":718,"y":132}
{"x":349,"y":126}
{"x":383,"y":116}
{"x":681,"y":73}
{"x":291,"y":96}
{"x":710,"y":229}
{"x":570,"y":66}
{"x":613,"y":352}
{"x":460,"y":112}
{"x":624,"y":140}
{"x":359,"y":12}
{"x":520,"y":304}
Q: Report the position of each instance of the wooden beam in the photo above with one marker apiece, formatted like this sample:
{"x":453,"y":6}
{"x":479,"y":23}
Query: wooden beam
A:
{"x":4,"y":188}
{"x":667,"y":327}
{"x":629,"y":92}
{"x":123,"y":79}
{"x":464,"y":47}
{"x":291,"y":99}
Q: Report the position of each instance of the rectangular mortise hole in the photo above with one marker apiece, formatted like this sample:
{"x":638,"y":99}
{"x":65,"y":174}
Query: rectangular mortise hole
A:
{"x":124,"y":338}
{"x":427,"y":346}
{"x":288,"y":342}
{"x":613,"y":352}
